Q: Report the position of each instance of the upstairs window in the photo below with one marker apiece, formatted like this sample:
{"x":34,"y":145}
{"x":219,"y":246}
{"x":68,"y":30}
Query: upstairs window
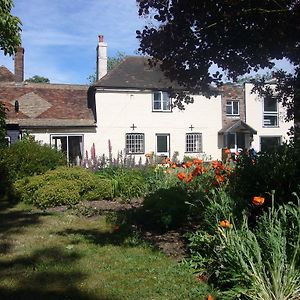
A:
{"x":193,"y":143}
{"x":232,"y":108}
{"x":135,"y":143}
{"x":161,"y":101}
{"x":270,"y":112}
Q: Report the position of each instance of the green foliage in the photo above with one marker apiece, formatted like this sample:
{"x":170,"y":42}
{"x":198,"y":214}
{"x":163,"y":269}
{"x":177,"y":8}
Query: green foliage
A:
{"x":127,"y":183}
{"x":263,"y":263}
{"x":27,"y":158}
{"x":57,"y":192}
{"x":277,"y":169}
{"x":165,"y":208}
{"x":2,"y":126}
{"x":80,"y":183}
{"x":38,"y":79}
{"x":9,"y":28}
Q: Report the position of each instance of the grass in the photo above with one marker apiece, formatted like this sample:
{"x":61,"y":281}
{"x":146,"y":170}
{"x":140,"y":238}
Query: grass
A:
{"x":63,"y":256}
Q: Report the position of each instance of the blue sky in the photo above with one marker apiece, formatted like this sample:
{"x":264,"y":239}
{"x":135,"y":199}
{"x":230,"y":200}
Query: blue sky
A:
{"x":60,"y":36}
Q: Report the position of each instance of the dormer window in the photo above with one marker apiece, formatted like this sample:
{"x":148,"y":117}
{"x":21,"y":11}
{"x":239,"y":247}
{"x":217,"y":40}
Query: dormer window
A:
{"x":161,"y":101}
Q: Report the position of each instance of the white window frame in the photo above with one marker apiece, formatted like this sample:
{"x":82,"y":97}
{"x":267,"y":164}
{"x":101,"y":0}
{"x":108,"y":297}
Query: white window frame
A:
{"x":168,"y":138}
{"x":162,"y":97}
{"x":266,"y":114}
{"x":230,"y":104}
{"x":131,"y":143}
{"x":52,"y":142}
{"x":191,"y":140}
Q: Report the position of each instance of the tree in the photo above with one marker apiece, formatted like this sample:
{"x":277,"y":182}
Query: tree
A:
{"x":189,"y":37}
{"x":112,"y":62}
{"x":10,"y":28}
{"x":38,"y":79}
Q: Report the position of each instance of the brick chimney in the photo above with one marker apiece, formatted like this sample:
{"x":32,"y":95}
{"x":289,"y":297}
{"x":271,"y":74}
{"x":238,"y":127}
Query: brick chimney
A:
{"x":101,"y":58}
{"x":19,"y":65}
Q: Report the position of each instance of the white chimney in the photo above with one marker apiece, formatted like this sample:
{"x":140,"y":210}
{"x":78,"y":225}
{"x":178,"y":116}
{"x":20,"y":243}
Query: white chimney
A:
{"x":101,"y":58}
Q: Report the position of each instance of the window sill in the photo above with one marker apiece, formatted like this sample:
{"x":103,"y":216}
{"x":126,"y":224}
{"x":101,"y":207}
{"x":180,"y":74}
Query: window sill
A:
{"x":162,"y":111}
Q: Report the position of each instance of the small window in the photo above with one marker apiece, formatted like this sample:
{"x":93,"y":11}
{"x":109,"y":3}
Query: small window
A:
{"x":161,"y":101}
{"x":268,"y":143}
{"x":270,"y":112}
{"x":193,"y":142}
{"x":135,"y":143}
{"x":232,"y":108}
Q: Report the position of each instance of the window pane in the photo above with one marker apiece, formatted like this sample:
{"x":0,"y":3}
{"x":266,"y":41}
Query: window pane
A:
{"x":157,"y":105}
{"x":162,"y":143}
{"x":157,"y":96}
{"x":166,"y":101}
{"x":270,"y":104}
{"x":231,"y":140}
{"x":75,"y":149}
{"x":229,"y":108}
{"x":134,"y":143}
{"x":235,"y":108}
{"x":268,"y":143}
{"x":270,"y":120}
{"x":193,"y":142}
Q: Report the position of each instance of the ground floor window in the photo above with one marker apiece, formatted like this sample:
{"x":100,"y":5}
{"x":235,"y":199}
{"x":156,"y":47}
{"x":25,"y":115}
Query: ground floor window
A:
{"x":71,"y":145}
{"x":193,"y":142}
{"x":135,"y":143}
{"x":269,"y":142}
{"x":7,"y":140}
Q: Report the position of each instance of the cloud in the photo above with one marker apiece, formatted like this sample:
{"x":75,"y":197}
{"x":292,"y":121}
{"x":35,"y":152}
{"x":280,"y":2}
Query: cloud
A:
{"x":60,"y":37}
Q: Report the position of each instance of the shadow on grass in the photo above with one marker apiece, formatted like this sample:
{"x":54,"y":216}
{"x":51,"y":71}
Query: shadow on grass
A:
{"x":46,"y":274}
{"x":14,"y":221}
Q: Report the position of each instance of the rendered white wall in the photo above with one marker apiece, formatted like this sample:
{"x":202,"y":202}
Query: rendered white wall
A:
{"x":117,"y":111}
{"x":254,"y":118}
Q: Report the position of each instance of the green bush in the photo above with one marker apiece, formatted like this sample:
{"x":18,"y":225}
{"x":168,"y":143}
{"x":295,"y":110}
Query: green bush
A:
{"x":82,"y":184}
{"x":165,"y":209}
{"x":277,"y":169}
{"x":57,"y":192}
{"x":27,"y":158}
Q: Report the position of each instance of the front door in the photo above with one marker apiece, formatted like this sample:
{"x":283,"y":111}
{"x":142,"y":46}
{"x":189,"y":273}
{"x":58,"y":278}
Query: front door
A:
{"x":163,"y":144}
{"x":236,"y":141}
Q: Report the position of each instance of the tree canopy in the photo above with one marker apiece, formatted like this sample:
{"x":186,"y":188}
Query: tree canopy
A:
{"x":10,"y":28}
{"x":189,"y":37}
{"x":38,"y":79}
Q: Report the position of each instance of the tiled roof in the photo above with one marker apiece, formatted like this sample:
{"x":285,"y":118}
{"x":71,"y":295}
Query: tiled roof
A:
{"x":134,"y":72}
{"x":6,"y":75}
{"x":39,"y":103}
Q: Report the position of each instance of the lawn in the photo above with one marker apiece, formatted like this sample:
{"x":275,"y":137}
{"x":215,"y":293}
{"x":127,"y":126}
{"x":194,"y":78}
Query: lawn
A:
{"x":62,"y":256}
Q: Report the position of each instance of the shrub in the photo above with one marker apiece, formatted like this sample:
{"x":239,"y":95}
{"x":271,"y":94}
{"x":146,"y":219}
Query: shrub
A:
{"x":81,"y":184}
{"x":57,"y":192}
{"x":27,"y":158}
{"x":165,"y":208}
{"x":277,"y":169}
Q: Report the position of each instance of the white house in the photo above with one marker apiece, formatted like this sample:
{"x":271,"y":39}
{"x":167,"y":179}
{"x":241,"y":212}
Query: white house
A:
{"x":129,"y":110}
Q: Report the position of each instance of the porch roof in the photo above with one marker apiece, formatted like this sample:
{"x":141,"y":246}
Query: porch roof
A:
{"x":237,"y":126}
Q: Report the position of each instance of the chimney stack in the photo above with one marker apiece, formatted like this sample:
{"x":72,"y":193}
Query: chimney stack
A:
{"x":19,"y":65}
{"x":101,"y":58}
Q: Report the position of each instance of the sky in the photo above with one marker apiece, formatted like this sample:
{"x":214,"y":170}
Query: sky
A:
{"x":60,"y":36}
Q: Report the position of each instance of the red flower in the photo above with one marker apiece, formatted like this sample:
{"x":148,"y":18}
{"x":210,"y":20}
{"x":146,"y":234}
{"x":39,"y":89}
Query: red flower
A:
{"x":258,"y":201}
{"x":181,"y":176}
{"x":225,"y":224}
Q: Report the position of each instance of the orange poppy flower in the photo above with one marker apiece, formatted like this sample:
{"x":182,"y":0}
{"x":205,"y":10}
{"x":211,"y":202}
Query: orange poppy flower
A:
{"x":189,"y":178}
{"x":197,"y":161}
{"x":174,"y":166}
{"x":225,"y":224}
{"x":258,"y":201}
{"x":197,"y":171}
{"x":188,"y":164}
{"x":220,"y":178}
{"x":181,"y":176}
{"x":210,"y":297}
